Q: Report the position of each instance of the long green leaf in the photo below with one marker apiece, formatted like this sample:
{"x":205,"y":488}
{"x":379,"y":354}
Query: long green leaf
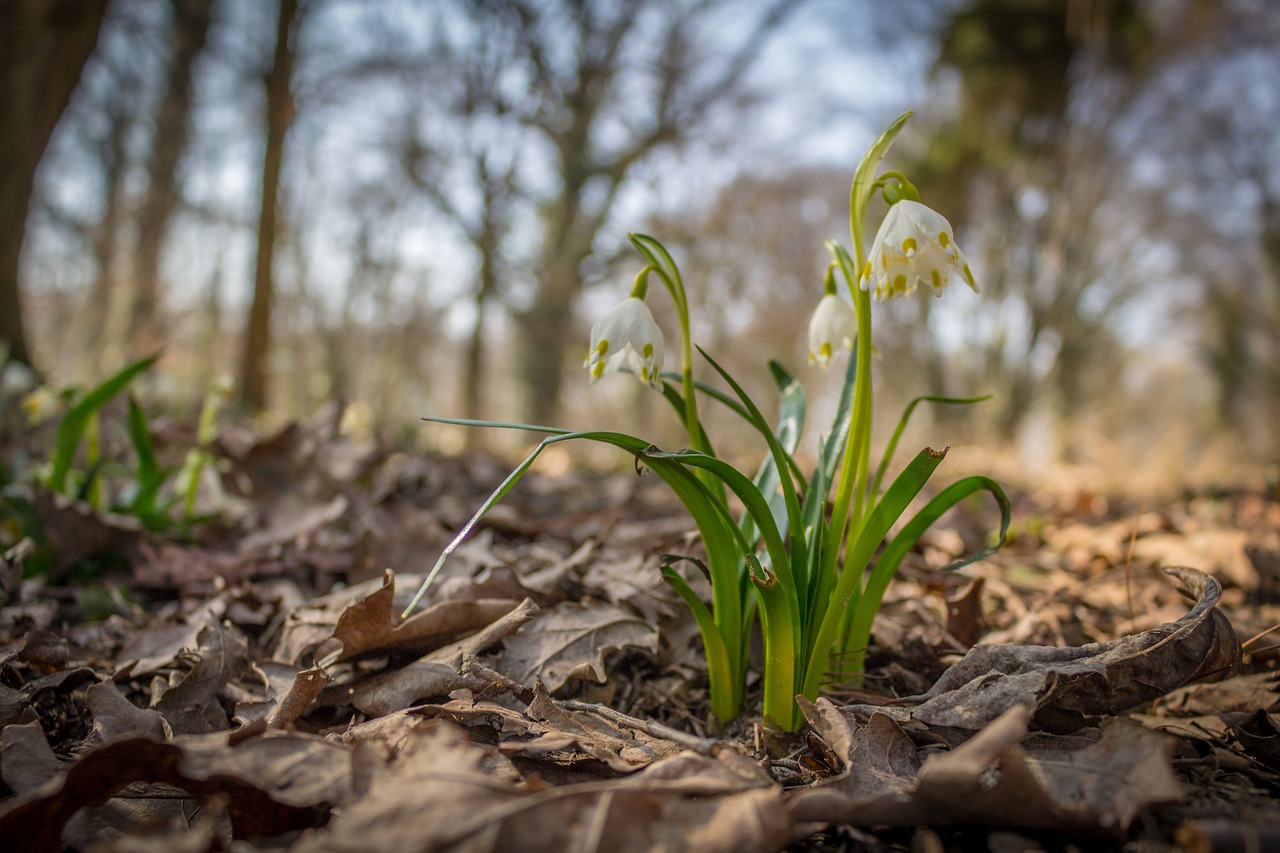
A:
{"x":782,"y":462}
{"x":73,"y":425}
{"x":902,"y":425}
{"x":149,"y":477}
{"x":887,"y":565}
{"x":726,"y":698}
{"x":846,"y":593}
{"x":619,"y":439}
{"x":841,"y":423}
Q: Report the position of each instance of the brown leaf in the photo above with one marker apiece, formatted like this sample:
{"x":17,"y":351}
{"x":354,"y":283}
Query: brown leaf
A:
{"x":1068,"y":686}
{"x":437,"y":674}
{"x":26,"y":761}
{"x":992,"y":779}
{"x":272,"y":784}
{"x":190,"y":702}
{"x":374,"y":625}
{"x":570,"y":641}
{"x":76,"y":531}
{"x":1259,"y":737}
{"x":115,"y":717}
{"x":444,"y":793}
{"x":622,"y":749}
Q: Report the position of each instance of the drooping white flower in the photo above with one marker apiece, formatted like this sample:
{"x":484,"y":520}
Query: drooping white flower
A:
{"x":915,"y":245}
{"x":628,"y":339}
{"x":832,"y":326}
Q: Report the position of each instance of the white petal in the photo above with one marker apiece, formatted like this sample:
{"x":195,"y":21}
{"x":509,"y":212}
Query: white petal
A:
{"x":833,"y":326}
{"x":627,"y":338}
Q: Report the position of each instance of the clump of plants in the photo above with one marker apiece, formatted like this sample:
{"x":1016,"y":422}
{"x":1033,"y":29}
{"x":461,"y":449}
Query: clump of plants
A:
{"x":813,"y":552}
{"x":160,"y":497}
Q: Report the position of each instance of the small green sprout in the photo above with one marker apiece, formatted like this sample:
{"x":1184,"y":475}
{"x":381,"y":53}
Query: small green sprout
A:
{"x":811,"y":557}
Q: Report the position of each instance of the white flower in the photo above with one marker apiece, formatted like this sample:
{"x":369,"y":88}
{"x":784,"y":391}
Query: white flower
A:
{"x":832,"y":326}
{"x":915,"y":245}
{"x":628,"y":339}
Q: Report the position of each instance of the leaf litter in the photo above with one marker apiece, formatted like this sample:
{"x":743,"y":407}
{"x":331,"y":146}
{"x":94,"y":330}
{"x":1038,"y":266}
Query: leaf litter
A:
{"x":257,"y":689}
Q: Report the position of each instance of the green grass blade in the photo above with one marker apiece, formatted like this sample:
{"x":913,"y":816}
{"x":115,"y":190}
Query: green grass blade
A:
{"x":902,"y":425}
{"x":628,"y":442}
{"x":466,"y":422}
{"x":841,"y":423}
{"x":887,"y":565}
{"x":782,"y":462}
{"x":726,"y":696}
{"x":846,"y":592}
{"x":149,"y":477}
{"x":77,"y":419}
{"x":865,"y":176}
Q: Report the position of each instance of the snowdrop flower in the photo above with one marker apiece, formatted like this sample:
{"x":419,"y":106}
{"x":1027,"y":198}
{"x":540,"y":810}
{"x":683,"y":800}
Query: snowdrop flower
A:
{"x":832,"y":326}
{"x":915,"y":245}
{"x":628,"y":339}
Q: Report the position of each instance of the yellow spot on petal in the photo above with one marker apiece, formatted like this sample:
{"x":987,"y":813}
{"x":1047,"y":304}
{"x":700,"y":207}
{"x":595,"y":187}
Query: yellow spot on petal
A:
{"x":648,"y":351}
{"x":900,"y":283}
{"x":597,"y":370}
{"x":602,"y":347}
{"x":909,"y":247}
{"x":968,"y":276}
{"x":943,"y":239}
{"x":866,"y":269}
{"x":937,"y":279}
{"x":825,"y":351}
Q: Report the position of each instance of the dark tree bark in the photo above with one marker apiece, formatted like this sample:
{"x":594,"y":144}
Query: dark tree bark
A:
{"x":191,"y":19}
{"x":279,"y":116}
{"x":44,"y":45}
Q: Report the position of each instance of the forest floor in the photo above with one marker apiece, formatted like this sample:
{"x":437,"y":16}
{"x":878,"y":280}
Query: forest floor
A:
{"x":252,"y":687}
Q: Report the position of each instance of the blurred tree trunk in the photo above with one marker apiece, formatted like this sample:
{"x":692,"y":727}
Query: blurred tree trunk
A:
{"x":100,"y":322}
{"x":44,"y":45}
{"x":279,"y":116}
{"x":190,"y":31}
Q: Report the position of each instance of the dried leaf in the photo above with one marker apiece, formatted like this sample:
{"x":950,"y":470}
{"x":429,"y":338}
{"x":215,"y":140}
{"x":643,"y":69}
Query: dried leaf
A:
{"x":570,"y":641}
{"x":444,"y":793}
{"x":992,"y":779}
{"x":374,"y":625}
{"x":438,"y":674}
{"x":1067,"y":687}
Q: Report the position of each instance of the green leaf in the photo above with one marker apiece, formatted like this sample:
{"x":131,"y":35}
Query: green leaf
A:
{"x":726,"y":699}
{"x":781,"y":460}
{"x":887,"y":565}
{"x":846,"y":593}
{"x":150,"y":477}
{"x":902,"y":425}
{"x":841,"y":424}
{"x":73,"y":425}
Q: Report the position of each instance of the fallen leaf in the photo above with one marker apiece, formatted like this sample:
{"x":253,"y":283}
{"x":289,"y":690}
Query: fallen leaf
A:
{"x":272,"y":784}
{"x":992,"y":779}
{"x":1068,"y":686}
{"x":442,"y":792}
{"x":570,"y":641}
{"x":374,"y":625}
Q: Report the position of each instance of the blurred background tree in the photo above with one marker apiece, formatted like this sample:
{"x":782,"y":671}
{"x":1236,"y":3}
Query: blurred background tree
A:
{"x":421,"y":206}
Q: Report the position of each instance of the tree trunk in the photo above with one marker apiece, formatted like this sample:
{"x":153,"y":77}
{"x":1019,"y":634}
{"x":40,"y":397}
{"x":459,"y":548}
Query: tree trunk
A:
{"x":279,"y":109}
{"x":547,"y":338}
{"x":99,"y":320}
{"x":191,"y":20}
{"x":43,"y":48}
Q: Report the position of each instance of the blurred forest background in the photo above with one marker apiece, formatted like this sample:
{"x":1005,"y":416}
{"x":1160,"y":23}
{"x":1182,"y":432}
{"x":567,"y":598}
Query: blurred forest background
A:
{"x":420,"y":207}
